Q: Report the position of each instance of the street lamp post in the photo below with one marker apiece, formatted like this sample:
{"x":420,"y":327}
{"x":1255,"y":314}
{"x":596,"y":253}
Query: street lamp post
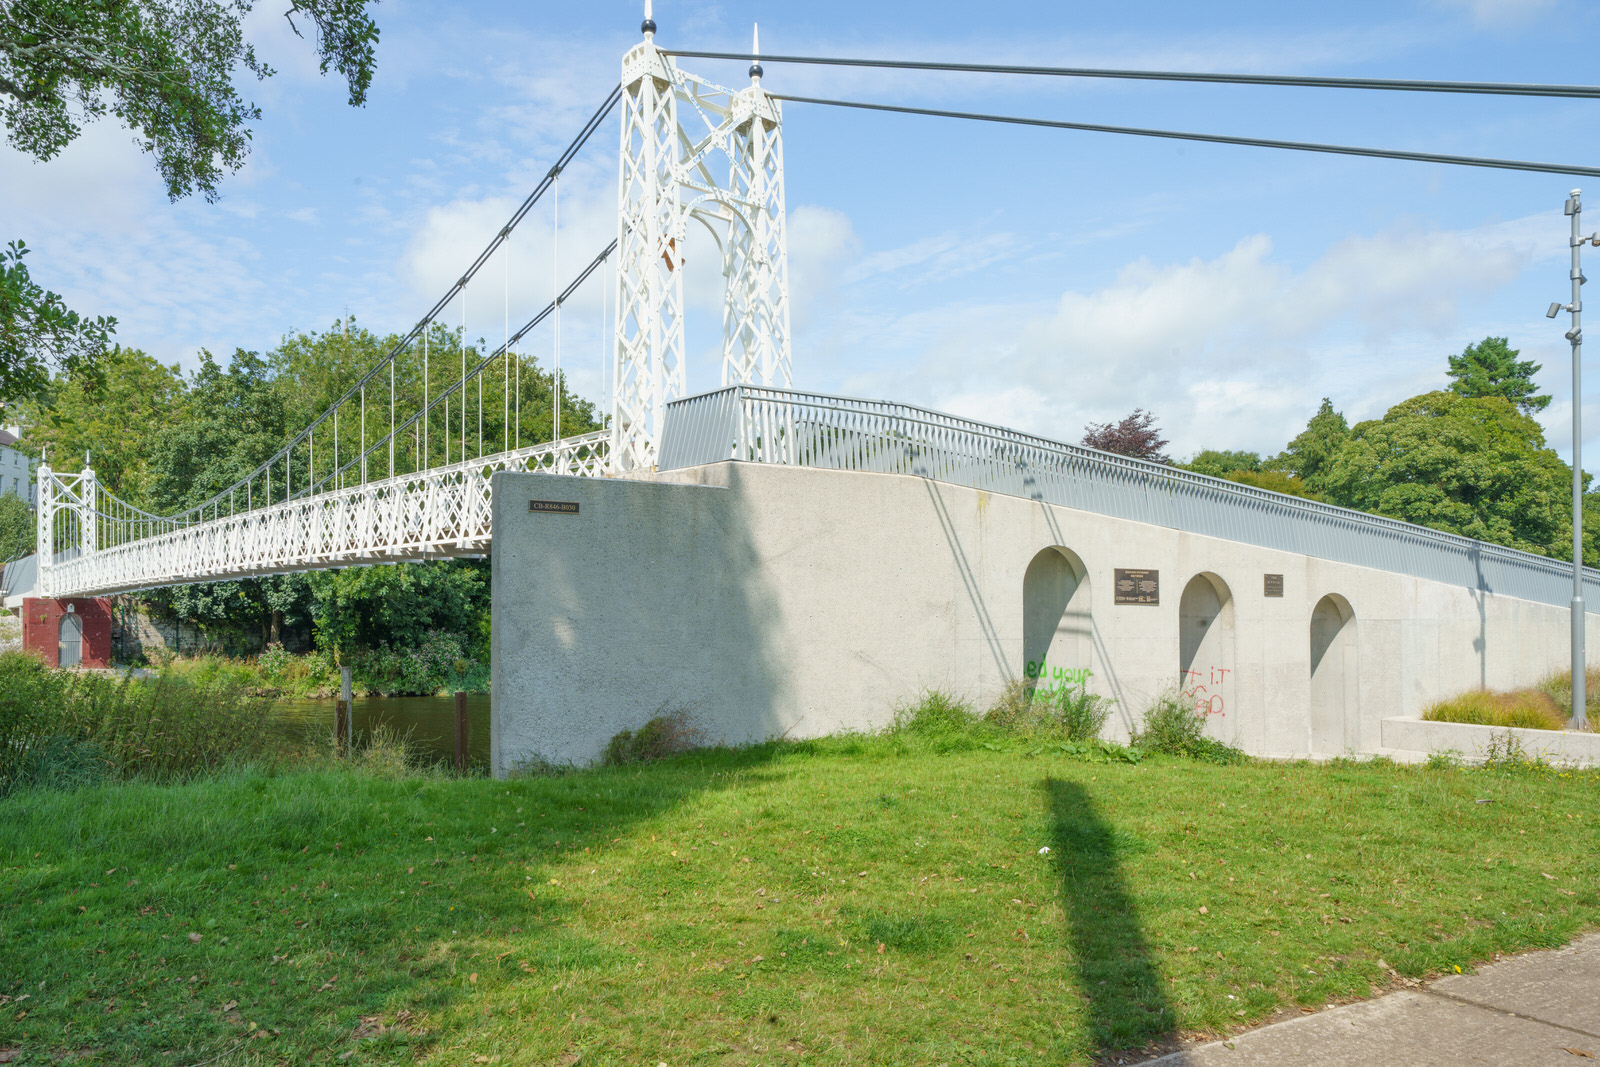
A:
{"x":1574,"y":210}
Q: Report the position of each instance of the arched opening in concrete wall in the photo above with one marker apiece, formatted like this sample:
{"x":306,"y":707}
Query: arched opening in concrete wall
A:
{"x":1205,"y":649}
{"x":70,"y":650}
{"x":1056,"y":625}
{"x":1334,"y":673}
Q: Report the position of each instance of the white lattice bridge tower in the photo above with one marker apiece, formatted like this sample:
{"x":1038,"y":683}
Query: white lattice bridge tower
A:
{"x":693,"y":150}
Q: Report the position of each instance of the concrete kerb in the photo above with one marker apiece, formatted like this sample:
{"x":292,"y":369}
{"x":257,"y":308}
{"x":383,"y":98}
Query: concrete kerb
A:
{"x":1475,"y":744}
{"x":1536,"y":1008}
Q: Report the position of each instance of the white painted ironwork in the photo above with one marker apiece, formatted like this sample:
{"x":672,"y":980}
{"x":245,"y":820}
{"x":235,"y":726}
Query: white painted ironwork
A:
{"x":668,"y":175}
{"x":445,"y":511}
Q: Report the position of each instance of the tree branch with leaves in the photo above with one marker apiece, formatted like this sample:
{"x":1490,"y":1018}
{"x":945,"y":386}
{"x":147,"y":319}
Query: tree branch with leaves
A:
{"x":166,"y":70}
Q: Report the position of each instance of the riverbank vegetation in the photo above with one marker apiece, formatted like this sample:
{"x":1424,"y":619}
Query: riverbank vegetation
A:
{"x":933,"y":893}
{"x":438,"y":663}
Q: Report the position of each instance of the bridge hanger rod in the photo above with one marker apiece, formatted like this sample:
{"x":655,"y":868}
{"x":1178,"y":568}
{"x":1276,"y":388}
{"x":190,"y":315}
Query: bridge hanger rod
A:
{"x":478,"y":367}
{"x":1390,"y":84}
{"x":405,"y":342}
{"x":1253,"y":142}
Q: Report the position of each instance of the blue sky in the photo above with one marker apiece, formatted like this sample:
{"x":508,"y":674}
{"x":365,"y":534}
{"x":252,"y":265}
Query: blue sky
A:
{"x":1038,"y":279}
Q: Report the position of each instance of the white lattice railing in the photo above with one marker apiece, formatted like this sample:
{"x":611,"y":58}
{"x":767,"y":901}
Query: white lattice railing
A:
{"x":446,"y":511}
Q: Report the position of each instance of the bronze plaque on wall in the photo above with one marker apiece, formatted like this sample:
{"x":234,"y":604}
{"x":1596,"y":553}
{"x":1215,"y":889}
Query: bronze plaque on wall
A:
{"x":1272,"y":585}
{"x":1133,"y":586}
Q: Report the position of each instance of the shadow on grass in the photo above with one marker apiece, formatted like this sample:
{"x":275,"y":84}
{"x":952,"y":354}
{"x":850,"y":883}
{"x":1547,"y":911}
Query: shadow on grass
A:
{"x":320,"y":907}
{"x":1122,"y":989}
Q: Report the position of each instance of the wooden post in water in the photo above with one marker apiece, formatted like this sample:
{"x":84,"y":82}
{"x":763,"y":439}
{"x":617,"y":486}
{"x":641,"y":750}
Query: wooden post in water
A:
{"x":461,"y":732}
{"x":345,"y":716}
{"x":341,"y":715}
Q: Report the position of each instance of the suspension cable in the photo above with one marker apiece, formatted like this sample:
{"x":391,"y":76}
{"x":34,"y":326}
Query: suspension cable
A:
{"x":1313,"y":82}
{"x":555,"y":280}
{"x":516,"y":338}
{"x":1253,"y":142}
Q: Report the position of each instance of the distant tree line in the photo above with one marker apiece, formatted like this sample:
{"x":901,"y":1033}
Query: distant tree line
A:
{"x":1468,"y":459}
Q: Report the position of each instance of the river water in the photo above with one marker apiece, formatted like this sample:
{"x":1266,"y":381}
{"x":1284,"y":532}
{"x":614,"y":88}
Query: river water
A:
{"x":429,"y":722}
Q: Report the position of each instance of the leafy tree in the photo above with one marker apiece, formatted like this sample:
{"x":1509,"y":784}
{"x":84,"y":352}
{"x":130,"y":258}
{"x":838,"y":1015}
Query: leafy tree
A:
{"x":16,"y":528}
{"x":116,"y":415}
{"x":235,"y":421}
{"x":38,"y":334}
{"x":364,"y":607}
{"x":1491,"y":368}
{"x":1276,"y":481}
{"x":1220,"y":464}
{"x":166,"y":69}
{"x":1313,"y":449}
{"x":1137,"y":436}
{"x":1475,"y":466}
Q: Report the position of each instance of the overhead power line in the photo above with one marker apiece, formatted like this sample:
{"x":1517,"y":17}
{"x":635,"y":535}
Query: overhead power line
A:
{"x":1392,"y":84}
{"x":1174,"y":135}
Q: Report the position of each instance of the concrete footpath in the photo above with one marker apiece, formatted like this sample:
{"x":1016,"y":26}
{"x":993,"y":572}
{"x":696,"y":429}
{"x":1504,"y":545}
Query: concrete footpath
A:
{"x":1539,"y":1008}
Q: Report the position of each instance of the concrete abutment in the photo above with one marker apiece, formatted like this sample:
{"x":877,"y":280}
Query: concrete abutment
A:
{"x":788,"y":601}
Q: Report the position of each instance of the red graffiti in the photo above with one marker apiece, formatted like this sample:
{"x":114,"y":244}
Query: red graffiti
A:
{"x":1205,"y":701}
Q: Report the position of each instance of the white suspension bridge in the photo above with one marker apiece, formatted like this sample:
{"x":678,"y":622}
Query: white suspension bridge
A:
{"x":399,"y":469}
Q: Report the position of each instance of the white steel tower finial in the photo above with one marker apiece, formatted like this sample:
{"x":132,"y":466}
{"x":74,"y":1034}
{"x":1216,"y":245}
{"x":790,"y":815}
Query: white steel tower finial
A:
{"x":755,"y":50}
{"x":648,"y":26}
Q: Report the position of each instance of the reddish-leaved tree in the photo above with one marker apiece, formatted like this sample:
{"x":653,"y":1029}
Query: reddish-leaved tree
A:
{"x":1137,"y":436}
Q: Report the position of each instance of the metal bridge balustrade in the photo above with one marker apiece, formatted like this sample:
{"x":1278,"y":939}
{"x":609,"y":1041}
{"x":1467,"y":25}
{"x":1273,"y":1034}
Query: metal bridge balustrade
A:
{"x":761,"y":424}
{"x":439,"y":512}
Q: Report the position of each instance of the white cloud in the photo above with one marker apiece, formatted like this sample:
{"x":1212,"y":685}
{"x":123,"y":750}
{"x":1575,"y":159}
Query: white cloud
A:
{"x":1232,"y":351}
{"x":1500,"y":13}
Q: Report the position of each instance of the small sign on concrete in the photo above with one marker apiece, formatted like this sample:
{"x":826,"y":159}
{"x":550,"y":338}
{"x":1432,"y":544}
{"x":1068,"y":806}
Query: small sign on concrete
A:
{"x":1134,"y":586}
{"x":1272,"y":585}
{"x":555,"y":507}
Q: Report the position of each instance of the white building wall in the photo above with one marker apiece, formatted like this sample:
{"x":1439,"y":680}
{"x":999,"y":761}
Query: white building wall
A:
{"x":16,"y":473}
{"x":790,"y":601}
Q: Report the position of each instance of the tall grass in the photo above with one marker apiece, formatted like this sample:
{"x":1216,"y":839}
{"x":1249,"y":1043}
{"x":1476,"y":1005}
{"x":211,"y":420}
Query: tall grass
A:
{"x":58,"y":728}
{"x":1533,"y":709}
{"x":1558,"y":687}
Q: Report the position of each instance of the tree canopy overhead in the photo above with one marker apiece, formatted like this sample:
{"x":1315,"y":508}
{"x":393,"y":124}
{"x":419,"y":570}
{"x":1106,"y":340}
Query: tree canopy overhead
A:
{"x":165,"y":69}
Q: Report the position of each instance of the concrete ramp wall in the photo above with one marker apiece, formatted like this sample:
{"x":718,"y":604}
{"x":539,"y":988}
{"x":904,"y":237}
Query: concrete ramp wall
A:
{"x":775,"y":600}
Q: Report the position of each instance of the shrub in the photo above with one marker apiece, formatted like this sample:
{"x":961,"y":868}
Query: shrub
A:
{"x":1074,"y":713}
{"x":275,"y":662}
{"x":1173,"y":726}
{"x":666,"y":734}
{"x":935,"y":714}
{"x":1080,"y":713}
{"x":1533,"y":709}
{"x":421,"y":671}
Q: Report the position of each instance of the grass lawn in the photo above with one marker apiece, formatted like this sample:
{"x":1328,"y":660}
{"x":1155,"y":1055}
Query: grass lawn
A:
{"x":848,"y":901}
